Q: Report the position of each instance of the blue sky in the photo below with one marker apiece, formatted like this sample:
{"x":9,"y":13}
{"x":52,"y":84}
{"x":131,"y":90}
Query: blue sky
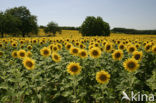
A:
{"x":138,"y":14}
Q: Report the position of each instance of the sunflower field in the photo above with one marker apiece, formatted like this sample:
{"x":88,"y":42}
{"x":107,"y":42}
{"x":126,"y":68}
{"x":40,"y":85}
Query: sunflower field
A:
{"x":76,"y":69}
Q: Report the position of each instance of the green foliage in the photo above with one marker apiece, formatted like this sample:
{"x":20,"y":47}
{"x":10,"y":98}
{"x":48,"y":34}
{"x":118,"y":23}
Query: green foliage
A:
{"x":52,"y":27}
{"x":132,"y":31}
{"x":95,"y":26}
{"x":18,"y":20}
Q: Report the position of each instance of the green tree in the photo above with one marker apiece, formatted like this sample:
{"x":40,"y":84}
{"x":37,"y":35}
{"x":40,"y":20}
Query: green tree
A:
{"x":8,"y":24}
{"x":95,"y":26}
{"x":52,"y":27}
{"x":28,"y":22}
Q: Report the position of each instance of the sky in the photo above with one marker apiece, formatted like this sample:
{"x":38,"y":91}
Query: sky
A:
{"x":137,"y":14}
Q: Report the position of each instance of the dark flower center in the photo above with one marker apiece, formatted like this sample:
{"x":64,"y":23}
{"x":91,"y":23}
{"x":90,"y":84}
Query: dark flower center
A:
{"x":29,"y":63}
{"x":137,"y":56}
{"x":95,"y":53}
{"x":74,"y":68}
{"x":103,"y":77}
{"x":117,"y":55}
{"x":131,"y":65}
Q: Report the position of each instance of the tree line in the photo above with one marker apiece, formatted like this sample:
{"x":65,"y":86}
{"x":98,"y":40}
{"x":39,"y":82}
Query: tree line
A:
{"x":132,"y":31}
{"x":19,"y":21}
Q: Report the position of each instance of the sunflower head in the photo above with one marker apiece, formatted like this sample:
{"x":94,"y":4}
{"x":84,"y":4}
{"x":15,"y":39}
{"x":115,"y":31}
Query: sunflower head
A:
{"x":68,"y":46}
{"x":14,"y":54}
{"x":102,"y":77}
{"x":108,"y":47}
{"x":56,"y":57}
{"x":121,"y":47}
{"x":73,"y":68}
{"x":74,"y":51}
{"x":29,"y":63}
{"x":131,"y":49}
{"x":95,"y":52}
{"x":29,"y":54}
{"x":117,"y":54}
{"x":29,"y":47}
{"x":21,"y":54}
{"x":46,"y":52}
{"x":55,"y":48}
{"x":131,"y":65}
{"x":154,"y":49}
{"x":147,"y":47}
{"x":137,"y":55}
{"x":14,"y":44}
{"x":83,"y":53}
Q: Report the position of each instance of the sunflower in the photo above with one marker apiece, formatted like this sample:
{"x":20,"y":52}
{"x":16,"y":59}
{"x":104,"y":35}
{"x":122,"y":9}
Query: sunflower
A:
{"x":154,"y":49}
{"x":22,"y":46}
{"x":131,"y":49}
{"x":137,"y":45}
{"x":73,"y":68}
{"x":55,"y":48}
{"x":29,"y":47}
{"x":131,"y":64}
{"x":147,"y":47}
{"x":117,"y":55}
{"x":68,"y":46}
{"x":56,"y":57}
{"x":74,"y":51}
{"x":59,"y":46}
{"x":29,"y":54}
{"x":108,"y":47}
{"x":46,"y":52}
{"x":83,"y":53}
{"x":137,"y":55}
{"x":95,"y":52}
{"x":121,"y":47}
{"x":14,"y":44}
{"x":102,"y":77}
{"x":1,"y":53}
{"x":14,"y":54}
{"x":29,"y":63}
{"x":21,"y":54}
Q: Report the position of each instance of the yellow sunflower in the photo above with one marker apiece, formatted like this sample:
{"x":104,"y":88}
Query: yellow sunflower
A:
{"x":21,"y":54}
{"x":154,"y":49}
{"x":95,"y":52}
{"x":14,"y":44}
{"x":29,"y":63}
{"x":74,"y":51}
{"x":29,"y":54}
{"x":121,"y":47}
{"x":14,"y":54}
{"x":108,"y":47}
{"x":131,"y":49}
{"x":73,"y":68}
{"x":137,"y":55}
{"x":147,"y":47}
{"x":83,"y":53}
{"x":117,"y":55}
{"x":55,"y":48}
{"x":68,"y":46}
{"x":56,"y":57}
{"x":131,"y":65}
{"x":29,"y":47}
{"x":102,"y":77}
{"x":46,"y":52}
